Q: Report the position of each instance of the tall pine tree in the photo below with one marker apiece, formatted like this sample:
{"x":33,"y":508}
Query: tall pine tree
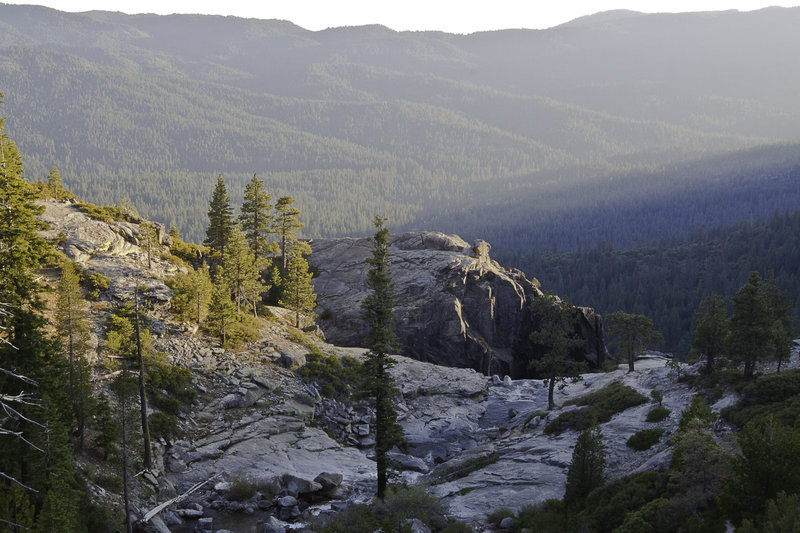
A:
{"x":256,"y":218}
{"x":298,"y":292}
{"x":220,"y":220}
{"x":377,"y":311}
{"x":284,"y":224}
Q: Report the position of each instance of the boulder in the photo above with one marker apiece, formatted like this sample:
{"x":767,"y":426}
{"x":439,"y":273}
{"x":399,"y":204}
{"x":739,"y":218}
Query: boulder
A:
{"x":272,"y":525}
{"x":454,"y":305}
{"x":328,"y":481}
{"x":298,"y":485}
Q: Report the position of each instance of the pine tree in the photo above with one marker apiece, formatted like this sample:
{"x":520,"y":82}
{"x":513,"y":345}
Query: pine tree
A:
{"x":242,"y":274}
{"x":710,"y":330}
{"x":192,"y":294}
{"x":587,"y":469}
{"x":557,"y":334}
{"x":256,"y":218}
{"x":285,"y":222}
{"x":751,"y":326}
{"x":298,"y":292}
{"x":377,"y":311}
{"x":632,"y":334}
{"x":223,"y":313}
{"x":54,"y":183}
{"x":73,"y":331}
{"x":148,"y":240}
{"x":220,"y":220}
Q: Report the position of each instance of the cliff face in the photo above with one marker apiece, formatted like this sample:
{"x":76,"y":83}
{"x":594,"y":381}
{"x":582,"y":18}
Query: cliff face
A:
{"x":455,"y":306}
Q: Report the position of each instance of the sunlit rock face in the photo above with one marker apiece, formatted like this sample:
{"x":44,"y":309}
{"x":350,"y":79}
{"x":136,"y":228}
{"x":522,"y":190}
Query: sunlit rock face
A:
{"x":454,"y":305}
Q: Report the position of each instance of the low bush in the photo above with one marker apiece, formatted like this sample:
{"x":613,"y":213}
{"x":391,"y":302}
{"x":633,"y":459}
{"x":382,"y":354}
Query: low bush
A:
{"x":550,"y":516}
{"x":644,"y":439}
{"x":162,"y":425}
{"x":96,"y":283}
{"x":605,"y":507}
{"x":337,"y":378}
{"x":498,"y":515}
{"x":657,"y":414}
{"x":242,"y":488}
{"x":600,"y":407}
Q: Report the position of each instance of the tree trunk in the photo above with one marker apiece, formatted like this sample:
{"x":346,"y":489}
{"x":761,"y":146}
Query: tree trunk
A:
{"x":142,"y":396}
{"x":550,"y":388}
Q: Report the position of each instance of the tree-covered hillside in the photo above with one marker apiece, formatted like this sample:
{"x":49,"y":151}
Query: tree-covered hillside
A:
{"x":668,"y":279}
{"x":429,"y":129}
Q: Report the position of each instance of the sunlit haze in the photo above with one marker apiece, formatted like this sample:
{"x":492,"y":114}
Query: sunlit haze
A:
{"x":454,"y":16}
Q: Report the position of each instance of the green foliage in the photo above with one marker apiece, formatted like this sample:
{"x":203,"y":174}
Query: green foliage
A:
{"x":644,"y":439}
{"x":464,"y":468}
{"x":605,"y":507}
{"x":587,"y":470}
{"x":242,"y":488}
{"x":550,"y":516}
{"x":657,"y":414}
{"x":631,"y":333}
{"x":782,"y":516}
{"x":697,"y":416}
{"x":750,"y":326}
{"x":191,"y":294}
{"x":772,"y":394}
{"x":96,"y":283}
{"x":557,"y":337}
{"x":298,"y":292}
{"x":377,"y":311}
{"x":601,"y":406}
{"x":769,"y":463}
{"x":399,"y":505}
{"x":337,"y":378}
{"x":256,"y":219}
{"x":710,"y":329}
{"x":497,"y":516}
{"x":108,"y":213}
{"x":191,"y":253}
{"x":220,"y":219}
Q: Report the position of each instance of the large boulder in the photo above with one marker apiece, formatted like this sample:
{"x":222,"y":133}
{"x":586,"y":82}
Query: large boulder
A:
{"x":454,"y":305}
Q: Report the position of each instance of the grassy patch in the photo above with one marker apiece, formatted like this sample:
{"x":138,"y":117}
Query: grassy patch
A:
{"x":599,"y":407}
{"x":644,"y":439}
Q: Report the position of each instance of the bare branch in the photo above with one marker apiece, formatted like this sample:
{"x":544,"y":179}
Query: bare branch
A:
{"x":18,"y":483}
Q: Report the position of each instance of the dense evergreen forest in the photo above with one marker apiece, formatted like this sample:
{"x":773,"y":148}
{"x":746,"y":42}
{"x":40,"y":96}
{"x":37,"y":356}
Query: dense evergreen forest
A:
{"x":528,"y":139}
{"x":668,"y":279}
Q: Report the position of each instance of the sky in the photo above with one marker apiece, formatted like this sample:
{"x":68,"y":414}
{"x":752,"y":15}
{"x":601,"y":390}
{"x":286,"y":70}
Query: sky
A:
{"x":452,"y":16}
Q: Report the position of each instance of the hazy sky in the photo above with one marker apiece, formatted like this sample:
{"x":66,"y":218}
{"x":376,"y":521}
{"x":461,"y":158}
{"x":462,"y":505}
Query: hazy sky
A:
{"x":455,"y":16}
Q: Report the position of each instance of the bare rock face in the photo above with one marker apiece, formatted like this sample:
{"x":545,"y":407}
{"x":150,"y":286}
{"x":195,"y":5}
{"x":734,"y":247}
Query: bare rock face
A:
{"x":454,"y":305}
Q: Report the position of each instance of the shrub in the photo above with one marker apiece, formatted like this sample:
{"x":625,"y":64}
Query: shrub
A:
{"x":657,"y":414}
{"x":644,"y":439}
{"x":242,"y":488}
{"x":498,"y":515}
{"x":107,"y":213}
{"x":605,"y":507}
{"x":464,"y":468}
{"x":96,"y":283}
{"x":776,"y":394}
{"x":550,"y":516}
{"x":335,"y":377}
{"x":600,"y":407}
{"x":162,"y":425}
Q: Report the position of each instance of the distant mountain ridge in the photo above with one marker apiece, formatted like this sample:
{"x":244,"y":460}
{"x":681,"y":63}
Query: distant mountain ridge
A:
{"x":422,"y":127}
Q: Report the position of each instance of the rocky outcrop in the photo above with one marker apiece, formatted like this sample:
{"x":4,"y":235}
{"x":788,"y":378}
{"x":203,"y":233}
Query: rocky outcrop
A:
{"x":455,"y":306}
{"x":111,"y":249}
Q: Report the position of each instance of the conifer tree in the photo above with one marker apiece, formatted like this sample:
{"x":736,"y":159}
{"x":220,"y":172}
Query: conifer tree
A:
{"x":587,"y":470}
{"x":751,"y":326}
{"x":377,"y":311}
{"x":557,"y":334}
{"x":73,"y":331}
{"x":284,"y":224}
{"x":192,"y":294}
{"x":710,"y":330}
{"x":632,"y":334}
{"x":220,"y":219}
{"x":256,"y":218}
{"x":54,"y":183}
{"x":222,"y":313}
{"x":148,"y":240}
{"x":242,"y":274}
{"x":298,"y":292}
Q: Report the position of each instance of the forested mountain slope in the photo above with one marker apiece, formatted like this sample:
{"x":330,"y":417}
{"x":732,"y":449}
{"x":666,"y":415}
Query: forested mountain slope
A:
{"x":668,"y":279}
{"x":427,"y":128}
